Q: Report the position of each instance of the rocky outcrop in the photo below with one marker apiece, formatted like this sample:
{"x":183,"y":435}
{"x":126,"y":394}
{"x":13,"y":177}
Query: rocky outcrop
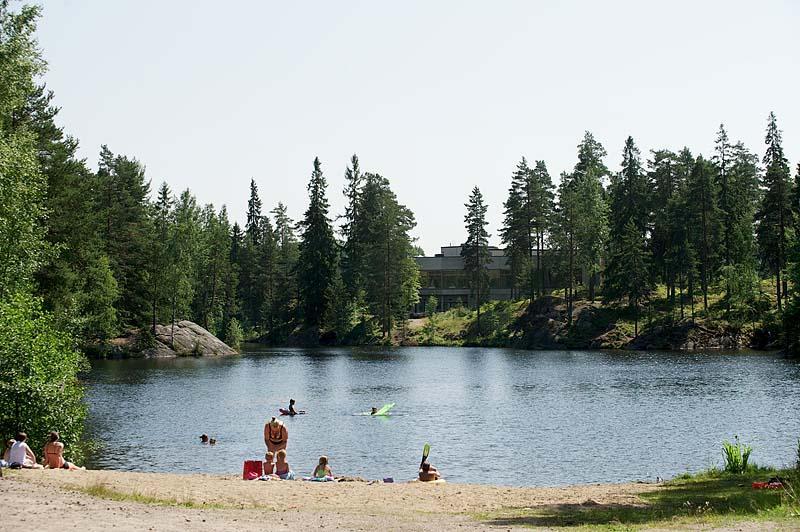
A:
{"x":186,"y":339}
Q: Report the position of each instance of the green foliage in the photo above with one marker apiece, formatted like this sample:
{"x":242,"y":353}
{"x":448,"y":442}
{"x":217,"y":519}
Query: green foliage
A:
{"x":476,"y":248}
{"x":736,"y":456}
{"x":39,"y":365}
{"x":317,"y":254}
{"x":430,"y":324}
{"x":773,"y":229}
{"x":234,"y":334}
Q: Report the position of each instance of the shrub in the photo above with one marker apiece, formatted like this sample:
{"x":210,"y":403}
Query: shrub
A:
{"x":39,"y":365}
{"x":234,"y":334}
{"x":736,"y":456}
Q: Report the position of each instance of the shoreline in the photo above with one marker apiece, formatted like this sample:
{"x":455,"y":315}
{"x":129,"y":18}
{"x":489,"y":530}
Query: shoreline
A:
{"x":348,"y":505}
{"x":102,"y":499}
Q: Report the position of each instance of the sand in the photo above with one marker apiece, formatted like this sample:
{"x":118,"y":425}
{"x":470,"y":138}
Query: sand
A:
{"x":57,"y":500}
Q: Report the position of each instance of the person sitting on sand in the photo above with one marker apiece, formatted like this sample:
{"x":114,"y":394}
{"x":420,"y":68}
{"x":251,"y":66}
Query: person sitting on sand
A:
{"x":275,"y":435}
{"x":21,"y":454}
{"x":269,"y":464}
{"x":428,"y":473}
{"x":204,"y":438}
{"x":292,"y":411}
{"x":6,"y":450}
{"x":54,"y":454}
{"x":282,"y":468}
{"x":323,"y":469}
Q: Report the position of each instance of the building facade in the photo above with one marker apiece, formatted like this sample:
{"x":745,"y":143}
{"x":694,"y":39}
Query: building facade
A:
{"x":443,"y":276}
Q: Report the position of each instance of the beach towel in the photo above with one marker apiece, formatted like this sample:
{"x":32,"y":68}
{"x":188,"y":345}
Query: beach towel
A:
{"x":319,"y":479}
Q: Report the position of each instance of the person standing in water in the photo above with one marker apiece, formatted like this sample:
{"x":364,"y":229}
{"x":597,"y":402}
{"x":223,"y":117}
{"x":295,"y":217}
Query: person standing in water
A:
{"x":275,"y":435}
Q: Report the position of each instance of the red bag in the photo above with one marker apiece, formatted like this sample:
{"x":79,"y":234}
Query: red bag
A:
{"x":252,"y":469}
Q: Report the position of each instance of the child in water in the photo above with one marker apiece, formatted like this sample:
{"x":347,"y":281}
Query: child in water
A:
{"x":323,"y":469}
{"x":282,"y":468}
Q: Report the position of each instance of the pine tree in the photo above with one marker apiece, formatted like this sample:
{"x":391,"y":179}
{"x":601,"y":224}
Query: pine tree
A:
{"x":527,"y":218}
{"x":774,"y":229}
{"x":704,"y":222}
{"x":591,"y":231}
{"x":476,"y":250}
{"x":632,"y":280}
{"x":285,"y":299}
{"x":317,"y":253}
{"x":388,"y":268}
{"x":124,"y":210}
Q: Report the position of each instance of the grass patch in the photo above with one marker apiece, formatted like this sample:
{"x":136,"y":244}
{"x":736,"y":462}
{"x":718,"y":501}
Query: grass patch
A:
{"x":102,"y":491}
{"x":712,"y":498}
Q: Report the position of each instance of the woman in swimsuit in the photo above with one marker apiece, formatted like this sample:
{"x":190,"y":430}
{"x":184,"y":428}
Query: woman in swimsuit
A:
{"x":275,"y":435}
{"x":54,"y":454}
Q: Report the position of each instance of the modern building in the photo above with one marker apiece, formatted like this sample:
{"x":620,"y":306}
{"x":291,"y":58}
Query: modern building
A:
{"x":443,"y":276}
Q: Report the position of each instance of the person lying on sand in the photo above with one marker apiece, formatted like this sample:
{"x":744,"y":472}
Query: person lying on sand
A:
{"x":428,"y":473}
{"x":282,"y":468}
{"x":323,"y":469}
{"x":21,"y":454}
{"x":54,"y":454}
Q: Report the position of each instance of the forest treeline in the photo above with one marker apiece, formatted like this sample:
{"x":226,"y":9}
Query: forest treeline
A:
{"x":104,"y":252}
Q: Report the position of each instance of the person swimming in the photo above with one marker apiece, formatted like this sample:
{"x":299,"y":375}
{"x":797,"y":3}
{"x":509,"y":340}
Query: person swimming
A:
{"x":292,"y":411}
{"x":204,"y":438}
{"x":373,"y":411}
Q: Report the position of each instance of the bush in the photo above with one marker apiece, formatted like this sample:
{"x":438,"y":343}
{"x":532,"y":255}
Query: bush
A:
{"x":234,"y":334}
{"x":39,"y":365}
{"x":736,"y":456}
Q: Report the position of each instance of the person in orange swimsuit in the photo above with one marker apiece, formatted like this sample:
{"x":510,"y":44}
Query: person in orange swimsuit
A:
{"x":54,"y":454}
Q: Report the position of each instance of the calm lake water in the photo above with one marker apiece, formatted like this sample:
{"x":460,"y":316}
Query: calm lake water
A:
{"x":491,"y":415}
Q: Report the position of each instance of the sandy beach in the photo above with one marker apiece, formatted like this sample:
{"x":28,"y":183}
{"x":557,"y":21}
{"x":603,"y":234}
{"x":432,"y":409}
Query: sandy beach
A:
{"x":58,"y":500}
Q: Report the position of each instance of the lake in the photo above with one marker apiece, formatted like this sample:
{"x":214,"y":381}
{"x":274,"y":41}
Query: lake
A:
{"x":499,"y":416}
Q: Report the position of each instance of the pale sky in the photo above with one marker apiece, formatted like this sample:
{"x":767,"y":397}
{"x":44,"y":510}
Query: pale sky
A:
{"x":436,"y":96}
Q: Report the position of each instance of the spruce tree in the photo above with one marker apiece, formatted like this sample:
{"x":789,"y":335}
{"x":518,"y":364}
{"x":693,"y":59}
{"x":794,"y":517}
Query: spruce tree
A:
{"x":629,"y":207}
{"x":774,"y":224}
{"x":317,"y":253}
{"x":352,"y":250}
{"x":632,"y":279}
{"x":476,"y":250}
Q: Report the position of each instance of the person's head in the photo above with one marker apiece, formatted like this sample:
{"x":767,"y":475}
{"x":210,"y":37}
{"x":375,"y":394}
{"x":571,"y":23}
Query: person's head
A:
{"x":323,"y":460}
{"x":212,"y":441}
{"x":204,"y":438}
{"x":281,"y":456}
{"x":269,"y":457}
{"x":21,"y":436}
{"x":374,"y":410}
{"x":291,"y":401}
{"x":9,"y":443}
{"x":53,"y":436}
{"x":426,"y":467}
{"x":273,"y":422}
